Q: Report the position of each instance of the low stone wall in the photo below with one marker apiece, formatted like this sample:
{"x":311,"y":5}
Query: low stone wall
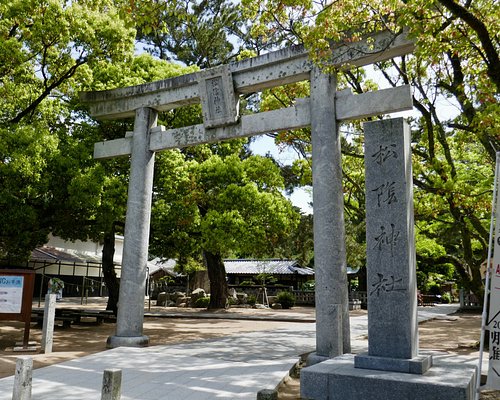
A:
{"x":469,"y":301}
{"x":305,"y":298}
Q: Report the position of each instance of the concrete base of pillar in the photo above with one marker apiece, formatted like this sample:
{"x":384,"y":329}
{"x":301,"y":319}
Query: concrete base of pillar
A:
{"x":127,"y":341}
{"x":417,"y":365}
{"x":19,"y":347}
{"x":315,"y":358}
{"x":337,"y":378}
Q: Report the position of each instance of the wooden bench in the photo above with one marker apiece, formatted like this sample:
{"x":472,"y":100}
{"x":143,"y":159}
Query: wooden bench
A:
{"x":69,"y":316}
{"x":66,"y":320}
{"x":100,"y":316}
{"x":427,"y":300}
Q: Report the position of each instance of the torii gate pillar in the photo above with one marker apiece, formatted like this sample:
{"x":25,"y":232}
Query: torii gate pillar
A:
{"x":332,"y":304}
{"x":130,"y":317}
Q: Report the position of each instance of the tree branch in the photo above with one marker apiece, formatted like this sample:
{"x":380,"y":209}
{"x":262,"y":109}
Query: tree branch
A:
{"x":47,"y":91}
{"x":493,"y":59}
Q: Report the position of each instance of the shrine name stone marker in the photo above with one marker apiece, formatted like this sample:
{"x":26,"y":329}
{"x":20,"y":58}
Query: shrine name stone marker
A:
{"x":390,"y":251}
{"x":392,"y":369}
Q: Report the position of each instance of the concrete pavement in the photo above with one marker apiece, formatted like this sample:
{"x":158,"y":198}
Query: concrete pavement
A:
{"x":233,"y":367}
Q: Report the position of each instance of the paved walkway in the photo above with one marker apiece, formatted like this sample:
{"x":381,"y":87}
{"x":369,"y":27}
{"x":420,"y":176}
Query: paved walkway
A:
{"x":233,"y":367}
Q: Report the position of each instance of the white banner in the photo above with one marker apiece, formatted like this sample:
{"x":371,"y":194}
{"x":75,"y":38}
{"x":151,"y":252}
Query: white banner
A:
{"x":493,"y":324}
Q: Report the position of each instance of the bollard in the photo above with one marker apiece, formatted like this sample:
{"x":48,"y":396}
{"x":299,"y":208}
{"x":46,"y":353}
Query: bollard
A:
{"x":48,"y":323}
{"x":22,"y":379}
{"x":267,"y":394}
{"x":111,"y":384}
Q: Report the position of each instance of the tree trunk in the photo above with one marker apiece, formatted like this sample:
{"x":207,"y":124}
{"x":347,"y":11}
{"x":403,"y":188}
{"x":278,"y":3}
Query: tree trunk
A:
{"x":108,"y":270}
{"x":218,"y":283}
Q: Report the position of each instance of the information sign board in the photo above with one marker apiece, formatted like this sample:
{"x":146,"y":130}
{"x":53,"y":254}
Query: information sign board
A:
{"x":11,"y":294}
{"x":16,"y":297}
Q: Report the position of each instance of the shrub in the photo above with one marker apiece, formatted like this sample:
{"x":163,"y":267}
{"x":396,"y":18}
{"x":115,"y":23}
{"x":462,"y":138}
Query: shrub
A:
{"x":446,"y":298}
{"x":286,"y":299}
{"x":202,"y":302}
{"x":247,"y":283}
{"x":266,"y":279}
{"x":309,"y":285}
{"x":251,"y":300}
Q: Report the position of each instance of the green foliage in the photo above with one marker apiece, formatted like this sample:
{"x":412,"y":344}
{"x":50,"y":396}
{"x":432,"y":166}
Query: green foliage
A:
{"x":446,"y":298}
{"x":266,"y":279}
{"x":309,"y":285}
{"x":455,"y":62}
{"x":39,"y":57}
{"x":140,"y":69}
{"x":431,"y":282}
{"x":251,"y":300}
{"x":55,"y":285}
{"x":25,"y":156}
{"x":49,"y":181}
{"x":188,"y":265}
{"x":202,"y":302}
{"x":421,"y":280}
{"x":213,"y":201}
{"x":216,"y":197}
{"x":194,"y":32}
{"x":47,"y":175}
{"x":220,"y":205}
{"x":247,"y":282}
{"x":166,"y":280}
{"x":286,"y":299}
{"x":428,"y":248}
{"x":299,"y":244}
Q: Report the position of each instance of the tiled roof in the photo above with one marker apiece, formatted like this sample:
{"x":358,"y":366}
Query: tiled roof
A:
{"x":167,"y":266}
{"x":244,"y":267}
{"x":51,"y":254}
{"x":275,"y":267}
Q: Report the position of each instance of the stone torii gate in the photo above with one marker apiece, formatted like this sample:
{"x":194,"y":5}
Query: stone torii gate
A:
{"x":218,"y":89}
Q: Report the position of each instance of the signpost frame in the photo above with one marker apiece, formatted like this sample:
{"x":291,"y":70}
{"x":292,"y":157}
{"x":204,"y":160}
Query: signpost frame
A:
{"x":28,"y":283}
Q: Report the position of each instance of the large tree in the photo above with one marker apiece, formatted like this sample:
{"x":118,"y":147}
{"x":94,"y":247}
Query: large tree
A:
{"x":219,"y":206}
{"x":205,"y":33}
{"x":49,"y":180}
{"x":47,"y":50}
{"x":456,"y":61}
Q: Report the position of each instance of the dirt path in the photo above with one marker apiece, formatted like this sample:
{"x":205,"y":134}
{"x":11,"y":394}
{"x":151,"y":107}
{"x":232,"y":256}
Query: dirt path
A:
{"x":88,"y":338}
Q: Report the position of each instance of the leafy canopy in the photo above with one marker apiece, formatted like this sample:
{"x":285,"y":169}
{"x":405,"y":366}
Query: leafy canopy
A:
{"x":456,"y":61}
{"x":224,"y":205}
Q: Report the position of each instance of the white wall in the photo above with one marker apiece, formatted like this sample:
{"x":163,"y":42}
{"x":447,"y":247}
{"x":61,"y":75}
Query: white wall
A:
{"x":92,"y":250}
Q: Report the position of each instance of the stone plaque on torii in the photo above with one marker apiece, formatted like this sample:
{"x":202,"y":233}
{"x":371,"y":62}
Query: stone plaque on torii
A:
{"x":218,"y":90}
